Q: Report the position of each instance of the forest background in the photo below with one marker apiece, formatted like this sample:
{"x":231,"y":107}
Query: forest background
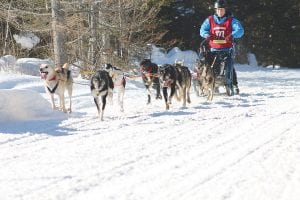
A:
{"x":122,"y":32}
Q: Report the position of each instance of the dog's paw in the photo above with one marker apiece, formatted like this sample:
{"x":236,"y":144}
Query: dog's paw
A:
{"x":159,"y":97}
{"x":167,"y":107}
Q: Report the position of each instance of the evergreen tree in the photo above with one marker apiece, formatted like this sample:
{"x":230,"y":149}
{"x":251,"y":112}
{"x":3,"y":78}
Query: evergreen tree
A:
{"x":271,"y":30}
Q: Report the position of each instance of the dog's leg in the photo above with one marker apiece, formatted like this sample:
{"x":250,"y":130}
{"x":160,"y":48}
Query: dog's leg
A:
{"x":149,"y":94}
{"x":157,"y":87}
{"x":184,"y":97}
{"x":211,"y":89}
{"x":210,"y":94}
{"x":121,"y":97}
{"x":62,"y":102}
{"x":110,"y":96}
{"x":173,"y":91}
{"x":179,"y":92}
{"x":70,"y":89}
{"x":96,"y":100}
{"x":103,"y":99}
{"x":196,"y":87}
{"x":188,"y":93}
{"x":158,"y":95}
{"x":201,"y":87}
{"x":53,"y":102}
{"x":165,"y":93}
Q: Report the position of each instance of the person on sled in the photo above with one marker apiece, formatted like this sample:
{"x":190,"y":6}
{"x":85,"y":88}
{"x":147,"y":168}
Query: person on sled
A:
{"x":219,"y":30}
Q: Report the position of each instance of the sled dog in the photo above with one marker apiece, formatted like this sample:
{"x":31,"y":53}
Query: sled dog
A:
{"x":56,"y":81}
{"x":183,"y":83}
{"x":178,"y":79}
{"x":119,"y":82}
{"x":101,"y":87}
{"x":206,"y":79}
{"x":150,"y":78}
{"x":212,"y":71}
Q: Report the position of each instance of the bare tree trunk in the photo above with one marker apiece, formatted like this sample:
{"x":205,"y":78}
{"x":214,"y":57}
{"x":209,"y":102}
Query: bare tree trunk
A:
{"x":92,"y":40}
{"x":46,"y":4}
{"x":6,"y":31}
{"x":120,"y":46}
{"x":58,"y":34}
{"x":106,"y":48}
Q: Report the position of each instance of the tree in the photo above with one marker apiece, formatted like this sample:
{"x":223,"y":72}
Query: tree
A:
{"x":182,"y":20}
{"x":83,"y":30}
{"x":58,"y":33}
{"x":271,"y":30}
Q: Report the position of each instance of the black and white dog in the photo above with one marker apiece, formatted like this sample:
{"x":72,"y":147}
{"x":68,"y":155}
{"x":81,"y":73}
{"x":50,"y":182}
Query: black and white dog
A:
{"x":184,"y":82}
{"x":119,"y":82}
{"x":101,"y":86}
{"x":168,"y":77}
{"x":150,"y":77}
{"x":178,"y":79}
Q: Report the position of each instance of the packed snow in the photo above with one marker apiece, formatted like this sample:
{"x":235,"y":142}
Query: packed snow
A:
{"x":242,"y":147}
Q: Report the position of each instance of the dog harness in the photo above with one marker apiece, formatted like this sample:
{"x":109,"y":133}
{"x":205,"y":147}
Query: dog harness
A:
{"x":53,"y":90}
{"x":55,"y":87}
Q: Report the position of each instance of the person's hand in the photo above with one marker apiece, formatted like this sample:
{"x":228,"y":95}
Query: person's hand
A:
{"x":209,"y":37}
{"x":228,"y":38}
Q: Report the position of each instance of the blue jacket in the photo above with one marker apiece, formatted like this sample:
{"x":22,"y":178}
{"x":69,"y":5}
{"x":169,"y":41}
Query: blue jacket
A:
{"x":237,"y":29}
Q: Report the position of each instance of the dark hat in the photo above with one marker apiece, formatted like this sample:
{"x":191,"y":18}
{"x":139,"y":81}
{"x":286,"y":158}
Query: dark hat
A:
{"x":220,"y":4}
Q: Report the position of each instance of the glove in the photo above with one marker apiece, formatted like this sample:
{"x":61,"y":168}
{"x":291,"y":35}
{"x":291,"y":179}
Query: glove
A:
{"x":228,"y":38}
{"x":209,"y":37}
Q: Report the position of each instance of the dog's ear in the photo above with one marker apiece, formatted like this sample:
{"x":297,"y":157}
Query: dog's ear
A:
{"x":179,"y":62}
{"x":202,"y":61}
{"x":162,"y":67}
{"x":66,"y":66}
{"x":145,"y":63}
{"x":108,"y":66}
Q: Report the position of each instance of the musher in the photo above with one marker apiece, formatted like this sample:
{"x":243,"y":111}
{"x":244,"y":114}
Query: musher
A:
{"x":219,"y":30}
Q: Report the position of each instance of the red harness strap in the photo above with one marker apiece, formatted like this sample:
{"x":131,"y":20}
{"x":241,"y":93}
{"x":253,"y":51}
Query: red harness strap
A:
{"x":53,"y":78}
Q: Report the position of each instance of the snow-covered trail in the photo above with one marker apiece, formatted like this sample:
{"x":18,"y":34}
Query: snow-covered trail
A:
{"x":241,"y":147}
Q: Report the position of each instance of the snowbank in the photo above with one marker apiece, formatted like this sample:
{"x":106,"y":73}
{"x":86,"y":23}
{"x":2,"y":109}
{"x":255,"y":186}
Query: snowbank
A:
{"x":160,"y":56}
{"x":28,"y":66}
{"x":24,"y":105}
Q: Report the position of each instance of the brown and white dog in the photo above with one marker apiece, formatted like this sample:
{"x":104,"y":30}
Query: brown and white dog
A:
{"x":56,"y":81}
{"x":119,"y":82}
